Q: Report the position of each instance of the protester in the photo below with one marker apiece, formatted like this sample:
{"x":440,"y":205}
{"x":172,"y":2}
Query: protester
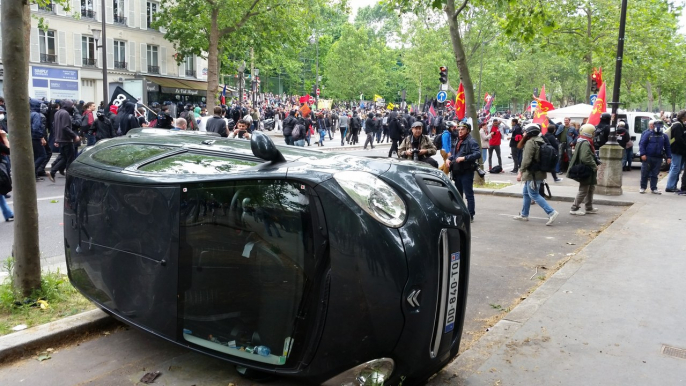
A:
{"x":532,"y":178}
{"x":462,"y":161}
{"x":584,"y":156}
{"x":654,"y":145}
{"x":678,"y":150}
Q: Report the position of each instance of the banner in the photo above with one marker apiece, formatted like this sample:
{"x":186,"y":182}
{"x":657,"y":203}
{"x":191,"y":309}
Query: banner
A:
{"x":324,"y":104}
{"x":120,"y":96}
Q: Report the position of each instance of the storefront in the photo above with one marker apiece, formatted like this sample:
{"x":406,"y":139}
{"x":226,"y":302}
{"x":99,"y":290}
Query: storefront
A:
{"x":175,"y":90}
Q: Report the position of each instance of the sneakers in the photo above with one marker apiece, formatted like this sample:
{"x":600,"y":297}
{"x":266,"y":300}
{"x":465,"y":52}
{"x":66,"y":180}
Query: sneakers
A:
{"x":642,"y":191}
{"x":520,"y":218}
{"x":515,"y":171}
{"x":577,"y":212}
{"x":471,"y":220}
{"x":668,"y":190}
{"x":9,"y":219}
{"x":558,"y":180}
{"x":656,"y":191}
{"x":51,"y":177}
{"x":592,"y":211}
{"x":552,"y":217}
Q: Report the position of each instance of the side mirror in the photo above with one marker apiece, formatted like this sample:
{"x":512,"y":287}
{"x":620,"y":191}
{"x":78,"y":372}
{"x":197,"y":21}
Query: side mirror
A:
{"x":633,"y":138}
{"x":263,"y":147}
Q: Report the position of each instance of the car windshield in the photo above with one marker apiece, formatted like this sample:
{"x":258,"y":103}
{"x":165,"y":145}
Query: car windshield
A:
{"x":248,"y":248}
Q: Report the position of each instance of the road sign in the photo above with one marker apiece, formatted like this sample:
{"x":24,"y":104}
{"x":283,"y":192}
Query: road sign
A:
{"x":317,"y":92}
{"x":593,"y":98}
{"x":441,"y":96}
{"x":534,"y":104}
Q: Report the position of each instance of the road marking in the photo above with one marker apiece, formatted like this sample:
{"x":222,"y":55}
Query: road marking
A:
{"x":40,"y":199}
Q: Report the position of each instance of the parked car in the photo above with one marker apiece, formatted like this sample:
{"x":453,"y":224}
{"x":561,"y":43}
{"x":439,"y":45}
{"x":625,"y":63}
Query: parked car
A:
{"x":328,"y":268}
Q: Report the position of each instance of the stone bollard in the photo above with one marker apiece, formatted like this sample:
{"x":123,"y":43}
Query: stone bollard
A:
{"x":610,"y":170}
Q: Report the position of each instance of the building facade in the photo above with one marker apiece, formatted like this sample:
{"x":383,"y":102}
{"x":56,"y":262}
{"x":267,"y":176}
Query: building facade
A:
{"x":66,"y":60}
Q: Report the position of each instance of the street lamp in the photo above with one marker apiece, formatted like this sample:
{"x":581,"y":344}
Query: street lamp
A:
{"x":315,"y":40}
{"x":96,"y":38}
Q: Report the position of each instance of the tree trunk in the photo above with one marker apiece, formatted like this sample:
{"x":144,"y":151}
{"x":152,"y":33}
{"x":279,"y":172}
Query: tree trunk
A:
{"x":16,"y":18}
{"x":461,"y":61}
{"x":212,"y":62}
{"x":649,"y":90}
{"x":588,"y":58}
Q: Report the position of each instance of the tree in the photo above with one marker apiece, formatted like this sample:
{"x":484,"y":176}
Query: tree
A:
{"x":215,"y":29}
{"x":16,"y":18}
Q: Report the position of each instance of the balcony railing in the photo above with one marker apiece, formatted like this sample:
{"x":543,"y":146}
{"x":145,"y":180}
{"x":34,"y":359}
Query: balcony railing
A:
{"x":190,"y":73}
{"x":89,"y":62}
{"x":120,"y":64}
{"x":88,"y":13}
{"x":119,"y":19}
{"x":154,"y":69}
{"x":48,"y":58}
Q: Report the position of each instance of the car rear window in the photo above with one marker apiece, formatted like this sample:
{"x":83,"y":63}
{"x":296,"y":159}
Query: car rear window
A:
{"x":126,"y":155}
{"x":190,"y":163}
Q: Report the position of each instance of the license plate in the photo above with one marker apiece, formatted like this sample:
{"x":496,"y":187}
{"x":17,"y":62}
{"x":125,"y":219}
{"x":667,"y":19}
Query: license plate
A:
{"x":452,"y":292}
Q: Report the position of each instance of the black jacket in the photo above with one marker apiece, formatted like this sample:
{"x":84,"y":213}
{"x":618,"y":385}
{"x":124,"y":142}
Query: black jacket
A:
{"x":288,"y":124}
{"x":103,"y":128}
{"x":370,"y":125}
{"x":516,"y":130}
{"x":677,"y":133}
{"x":395,"y":130}
{"x":469,"y":149}
{"x":127,"y":120}
{"x":623,"y":137}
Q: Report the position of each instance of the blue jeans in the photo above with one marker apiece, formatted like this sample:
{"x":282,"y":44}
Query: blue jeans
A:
{"x":6,"y":211}
{"x":288,"y":139}
{"x":530,"y":192}
{"x":650,"y":168}
{"x":322,"y":134}
{"x":677,"y":166}
{"x":300,"y":142}
{"x":377,"y":135}
{"x":628,"y":156}
{"x":464,"y":182}
{"x":484,"y":154}
{"x":90,"y":139}
{"x":344,"y":132}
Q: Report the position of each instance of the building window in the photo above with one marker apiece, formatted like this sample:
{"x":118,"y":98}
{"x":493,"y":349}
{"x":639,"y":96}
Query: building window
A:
{"x":153,"y":66}
{"x":88,"y":51}
{"x":151,"y":11}
{"x":47,"y":46}
{"x":87,"y":9}
{"x":119,"y":54}
{"x":47,"y":7}
{"x":190,"y":65}
{"x":119,"y":12}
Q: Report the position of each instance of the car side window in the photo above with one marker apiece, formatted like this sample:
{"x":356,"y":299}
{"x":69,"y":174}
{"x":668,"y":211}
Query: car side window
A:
{"x":641,"y":124}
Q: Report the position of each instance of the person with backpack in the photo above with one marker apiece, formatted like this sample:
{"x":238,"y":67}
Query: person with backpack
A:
{"x":584,"y":158}
{"x":516,"y":136}
{"x":497,"y":134}
{"x":288,"y":125}
{"x":654,"y":146}
{"x":321,"y":128}
{"x":550,"y":139}
{"x":531,"y":175}
{"x":678,"y":147}
{"x":65,"y":137}
{"x":395,"y":132}
{"x":602,"y":131}
{"x":299,"y":133}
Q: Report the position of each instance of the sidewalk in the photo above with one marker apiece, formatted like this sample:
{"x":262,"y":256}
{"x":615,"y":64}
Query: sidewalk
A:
{"x":612,"y":315}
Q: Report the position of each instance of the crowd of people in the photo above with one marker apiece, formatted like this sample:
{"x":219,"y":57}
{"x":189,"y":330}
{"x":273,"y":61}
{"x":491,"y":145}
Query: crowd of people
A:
{"x":63,"y":126}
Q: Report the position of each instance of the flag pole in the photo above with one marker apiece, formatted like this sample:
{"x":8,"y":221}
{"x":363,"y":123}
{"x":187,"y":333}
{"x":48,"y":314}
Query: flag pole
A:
{"x":618,"y":71}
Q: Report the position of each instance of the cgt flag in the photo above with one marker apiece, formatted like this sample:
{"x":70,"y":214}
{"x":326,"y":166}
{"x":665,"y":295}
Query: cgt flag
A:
{"x":541,"y":112}
{"x":599,"y":107}
{"x":460,"y":106}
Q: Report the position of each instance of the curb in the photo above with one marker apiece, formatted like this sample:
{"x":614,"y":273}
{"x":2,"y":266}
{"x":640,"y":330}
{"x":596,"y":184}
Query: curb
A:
{"x":553,"y":198}
{"x":25,"y":342}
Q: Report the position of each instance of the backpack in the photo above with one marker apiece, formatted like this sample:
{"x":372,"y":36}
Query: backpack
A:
{"x":599,"y":138}
{"x":496,"y":169}
{"x":547,"y":158}
{"x":438,"y":142}
{"x":297,"y":132}
{"x":5,"y":178}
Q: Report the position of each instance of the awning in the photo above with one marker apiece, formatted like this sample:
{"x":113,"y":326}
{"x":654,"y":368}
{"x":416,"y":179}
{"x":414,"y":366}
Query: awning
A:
{"x":177,"y":86}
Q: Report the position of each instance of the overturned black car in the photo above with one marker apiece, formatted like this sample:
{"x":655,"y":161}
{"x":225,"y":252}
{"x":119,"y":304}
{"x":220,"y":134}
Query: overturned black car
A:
{"x":328,"y":268}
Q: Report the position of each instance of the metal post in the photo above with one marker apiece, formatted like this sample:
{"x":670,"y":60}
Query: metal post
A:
{"x":105,"y":85}
{"x":618,"y":68}
{"x":316,"y":97}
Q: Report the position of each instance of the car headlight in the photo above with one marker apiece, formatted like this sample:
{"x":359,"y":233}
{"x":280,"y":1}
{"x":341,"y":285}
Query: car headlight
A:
{"x":372,"y":373}
{"x":374,"y":196}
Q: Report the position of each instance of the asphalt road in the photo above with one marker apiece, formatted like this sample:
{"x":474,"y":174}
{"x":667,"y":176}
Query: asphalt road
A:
{"x":509,"y":258}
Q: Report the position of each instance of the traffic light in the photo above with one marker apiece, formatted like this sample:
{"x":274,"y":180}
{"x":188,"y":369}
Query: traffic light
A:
{"x":594,"y":83}
{"x":443,"y":74}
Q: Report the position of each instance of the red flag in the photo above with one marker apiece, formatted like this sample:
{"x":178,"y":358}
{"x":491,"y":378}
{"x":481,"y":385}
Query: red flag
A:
{"x":599,"y":107}
{"x":460,"y":106}
{"x":541,"y":112}
{"x":304,"y":99}
{"x":432,"y":111}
